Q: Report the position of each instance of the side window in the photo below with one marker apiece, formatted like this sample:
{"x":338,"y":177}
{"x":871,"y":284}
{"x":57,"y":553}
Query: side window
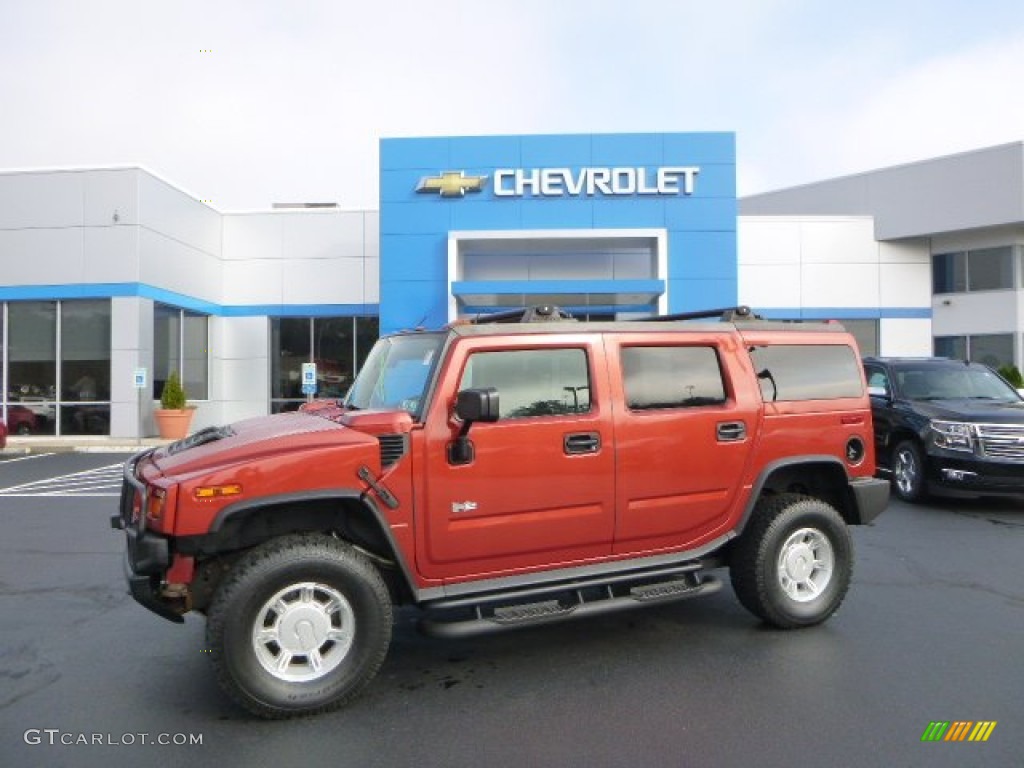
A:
{"x":671,"y":377}
{"x":806,"y":372}
{"x":878,"y":381}
{"x":532,"y":382}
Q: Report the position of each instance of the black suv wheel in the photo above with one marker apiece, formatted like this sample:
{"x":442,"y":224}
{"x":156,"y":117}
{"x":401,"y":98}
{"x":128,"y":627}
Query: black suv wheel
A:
{"x":908,"y":471}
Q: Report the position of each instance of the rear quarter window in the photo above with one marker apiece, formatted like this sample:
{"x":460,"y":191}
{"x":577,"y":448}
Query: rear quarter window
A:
{"x":806,"y":371}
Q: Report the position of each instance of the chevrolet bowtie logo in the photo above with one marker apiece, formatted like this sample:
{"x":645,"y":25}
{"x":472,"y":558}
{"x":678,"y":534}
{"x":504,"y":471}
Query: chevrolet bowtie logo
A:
{"x":451,"y":184}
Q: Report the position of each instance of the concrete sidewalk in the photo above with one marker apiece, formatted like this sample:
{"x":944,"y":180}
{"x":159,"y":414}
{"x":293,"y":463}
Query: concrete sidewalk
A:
{"x":84,"y":444}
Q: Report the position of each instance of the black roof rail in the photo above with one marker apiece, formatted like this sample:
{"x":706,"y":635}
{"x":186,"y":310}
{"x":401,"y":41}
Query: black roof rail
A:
{"x":725,"y":314}
{"x":544,"y":313}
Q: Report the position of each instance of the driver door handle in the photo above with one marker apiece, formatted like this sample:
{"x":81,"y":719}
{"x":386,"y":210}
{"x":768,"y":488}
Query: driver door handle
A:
{"x":582,"y":442}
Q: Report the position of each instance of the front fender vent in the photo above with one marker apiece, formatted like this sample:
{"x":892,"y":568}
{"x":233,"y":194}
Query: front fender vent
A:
{"x":392,"y":448}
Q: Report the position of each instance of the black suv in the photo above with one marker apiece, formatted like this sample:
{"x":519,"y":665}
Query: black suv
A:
{"x":946,"y":425}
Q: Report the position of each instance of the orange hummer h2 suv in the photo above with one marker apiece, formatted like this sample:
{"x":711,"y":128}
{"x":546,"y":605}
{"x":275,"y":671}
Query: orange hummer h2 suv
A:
{"x":521,"y":469}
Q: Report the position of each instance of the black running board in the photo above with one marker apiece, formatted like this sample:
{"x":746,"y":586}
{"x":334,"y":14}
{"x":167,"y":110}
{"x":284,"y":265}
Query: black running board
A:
{"x":465,"y":618}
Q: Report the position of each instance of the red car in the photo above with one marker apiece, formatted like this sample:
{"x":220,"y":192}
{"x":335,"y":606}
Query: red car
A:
{"x":21,"y":420}
{"x":3,"y":435}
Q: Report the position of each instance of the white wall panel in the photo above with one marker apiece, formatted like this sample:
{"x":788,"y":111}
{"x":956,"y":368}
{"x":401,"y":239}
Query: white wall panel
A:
{"x":371,"y":281}
{"x":111,"y":254}
{"x":131,"y":322}
{"x":970,"y":313}
{"x":323,"y":281}
{"x":765,"y":286}
{"x":245,"y":381}
{"x":253,"y":282}
{"x":241,"y":337}
{"x":838,"y":241}
{"x":107,"y":192}
{"x":175,"y":214}
{"x":905,"y":285}
{"x":253,"y":236}
{"x":839,"y":285}
{"x":906,"y":252}
{"x":239,"y":366}
{"x":43,"y":199}
{"x":41,"y":256}
{"x":175,"y":266}
{"x":768,"y":240}
{"x":371,"y":234}
{"x":900,"y":337}
{"x":323,"y":235}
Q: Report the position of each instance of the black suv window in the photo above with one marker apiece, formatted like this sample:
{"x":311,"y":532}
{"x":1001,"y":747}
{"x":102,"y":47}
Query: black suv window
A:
{"x":806,"y":371}
{"x":950,"y":382}
{"x":532,"y":382}
{"x":671,"y":377}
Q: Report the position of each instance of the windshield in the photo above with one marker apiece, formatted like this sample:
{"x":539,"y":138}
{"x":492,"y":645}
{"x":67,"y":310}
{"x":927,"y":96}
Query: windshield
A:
{"x":396,"y":374}
{"x":953,"y":382}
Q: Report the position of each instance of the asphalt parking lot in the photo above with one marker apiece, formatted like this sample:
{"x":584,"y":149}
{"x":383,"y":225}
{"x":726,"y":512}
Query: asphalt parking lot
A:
{"x":932,"y":630}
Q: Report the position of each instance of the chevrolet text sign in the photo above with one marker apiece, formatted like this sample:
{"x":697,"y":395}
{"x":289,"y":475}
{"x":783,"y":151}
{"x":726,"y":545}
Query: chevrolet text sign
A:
{"x":556,"y":182}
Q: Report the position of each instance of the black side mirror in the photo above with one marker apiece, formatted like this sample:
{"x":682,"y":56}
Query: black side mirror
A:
{"x":477,"y":405}
{"x":472,"y":405}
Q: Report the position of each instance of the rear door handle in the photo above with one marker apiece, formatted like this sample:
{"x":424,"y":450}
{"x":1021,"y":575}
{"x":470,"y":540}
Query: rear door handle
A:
{"x":582,"y":442}
{"x":731,"y":431}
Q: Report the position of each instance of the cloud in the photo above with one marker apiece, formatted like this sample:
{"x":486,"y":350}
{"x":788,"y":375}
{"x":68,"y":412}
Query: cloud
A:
{"x":958,"y":101}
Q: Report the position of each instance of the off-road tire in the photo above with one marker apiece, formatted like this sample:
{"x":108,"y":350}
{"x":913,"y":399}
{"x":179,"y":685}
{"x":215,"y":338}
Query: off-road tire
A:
{"x":793,"y":563}
{"x":288,"y":603}
{"x":908,"y":480}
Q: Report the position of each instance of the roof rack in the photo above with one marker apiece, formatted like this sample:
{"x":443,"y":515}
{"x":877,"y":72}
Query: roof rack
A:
{"x":725,"y":314}
{"x":545,"y":313}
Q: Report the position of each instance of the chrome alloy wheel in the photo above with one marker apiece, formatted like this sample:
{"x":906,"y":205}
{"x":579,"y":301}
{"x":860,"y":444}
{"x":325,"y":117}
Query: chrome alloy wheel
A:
{"x":303,"y":632}
{"x":906,"y":472}
{"x":805,"y":564}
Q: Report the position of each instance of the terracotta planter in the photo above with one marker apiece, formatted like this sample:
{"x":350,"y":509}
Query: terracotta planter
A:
{"x":173,"y":425}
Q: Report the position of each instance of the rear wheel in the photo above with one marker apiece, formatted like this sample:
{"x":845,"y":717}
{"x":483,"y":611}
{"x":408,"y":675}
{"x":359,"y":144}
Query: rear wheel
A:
{"x":793,"y":563}
{"x":908,"y":472}
{"x":301,"y":625}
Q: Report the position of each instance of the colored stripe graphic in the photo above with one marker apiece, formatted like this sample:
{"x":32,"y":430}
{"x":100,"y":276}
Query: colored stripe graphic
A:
{"x":982,"y":730}
{"x":959,"y":730}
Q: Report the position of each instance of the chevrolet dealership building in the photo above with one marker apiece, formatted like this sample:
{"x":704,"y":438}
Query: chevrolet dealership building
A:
{"x":112,"y":278}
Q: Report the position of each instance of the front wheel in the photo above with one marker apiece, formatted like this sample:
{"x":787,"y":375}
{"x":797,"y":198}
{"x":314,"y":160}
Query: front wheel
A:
{"x":300,"y":626}
{"x":793,"y":563}
{"x":908,"y":472}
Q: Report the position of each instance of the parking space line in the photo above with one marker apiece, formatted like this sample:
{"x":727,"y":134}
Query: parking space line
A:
{"x":26,"y":458}
{"x":88,"y":482}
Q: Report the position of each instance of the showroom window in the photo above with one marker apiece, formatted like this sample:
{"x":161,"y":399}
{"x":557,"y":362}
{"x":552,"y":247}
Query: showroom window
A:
{"x":338,"y":346}
{"x":993,"y":349}
{"x":181,"y":343}
{"x":982,"y":269}
{"x":56,"y":357}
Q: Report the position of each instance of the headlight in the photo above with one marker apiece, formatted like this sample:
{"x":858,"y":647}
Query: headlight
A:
{"x":953,"y":435}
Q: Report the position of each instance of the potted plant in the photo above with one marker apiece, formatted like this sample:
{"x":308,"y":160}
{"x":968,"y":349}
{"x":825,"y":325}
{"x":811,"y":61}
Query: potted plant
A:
{"x":174,"y":416}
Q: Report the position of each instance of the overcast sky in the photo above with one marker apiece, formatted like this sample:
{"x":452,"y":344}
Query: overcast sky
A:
{"x":250,"y":103}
